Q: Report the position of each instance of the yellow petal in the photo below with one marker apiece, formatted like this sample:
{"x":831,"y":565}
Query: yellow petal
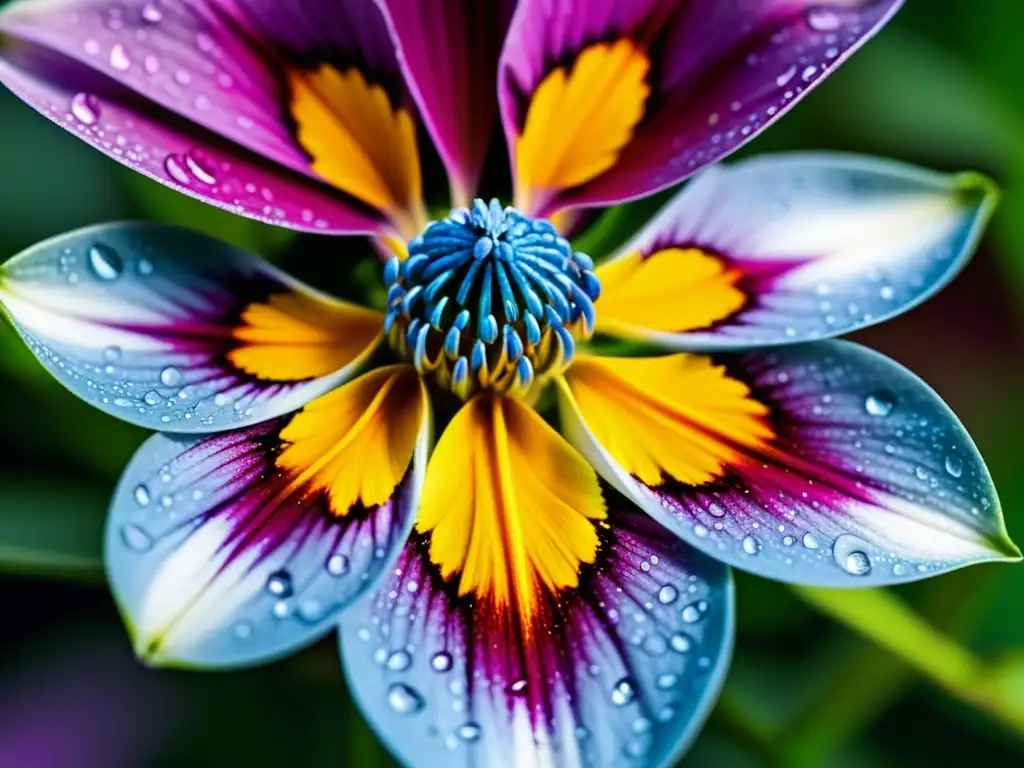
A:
{"x":678,"y":417}
{"x":671,"y":290}
{"x":510,"y":506}
{"x":359,"y":142}
{"x":357,"y":442}
{"x":295,"y":336}
{"x":578,"y":122}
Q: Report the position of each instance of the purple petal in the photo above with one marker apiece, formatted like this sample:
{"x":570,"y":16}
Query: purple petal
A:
{"x":723,"y":70}
{"x":816,"y":245}
{"x":155,"y":325}
{"x":449,"y":54}
{"x":148,"y":81}
{"x":866,"y":477}
{"x":623,"y":672}
{"x":220,"y":556}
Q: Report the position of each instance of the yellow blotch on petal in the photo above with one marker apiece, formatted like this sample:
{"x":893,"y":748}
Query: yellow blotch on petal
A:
{"x":359,"y":142}
{"x":357,"y":442}
{"x":510,"y":506}
{"x":294,"y":336}
{"x":676,"y":417}
{"x":670,"y":291}
{"x":578,"y":122}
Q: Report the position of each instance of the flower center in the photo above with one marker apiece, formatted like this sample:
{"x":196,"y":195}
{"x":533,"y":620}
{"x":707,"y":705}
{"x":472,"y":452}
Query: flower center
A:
{"x":489,"y":299}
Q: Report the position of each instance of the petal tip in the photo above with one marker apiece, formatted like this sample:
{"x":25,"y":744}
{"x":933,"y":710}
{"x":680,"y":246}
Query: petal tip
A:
{"x":975,"y":189}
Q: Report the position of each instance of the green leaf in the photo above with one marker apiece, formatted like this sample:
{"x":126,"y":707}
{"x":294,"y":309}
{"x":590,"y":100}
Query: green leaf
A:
{"x":50,"y":528}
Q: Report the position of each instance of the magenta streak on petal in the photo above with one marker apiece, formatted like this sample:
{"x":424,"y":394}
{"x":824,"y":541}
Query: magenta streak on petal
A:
{"x":477,"y":665}
{"x":176,"y":153}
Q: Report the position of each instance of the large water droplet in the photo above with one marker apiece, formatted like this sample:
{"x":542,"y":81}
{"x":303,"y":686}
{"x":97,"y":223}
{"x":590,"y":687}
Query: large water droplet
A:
{"x":85,"y":108}
{"x":279,"y":583}
{"x":119,"y":59}
{"x":694,"y":612}
{"x":399,"y":661}
{"x":667,"y":594}
{"x":405,"y":700}
{"x":105,"y":262}
{"x":954,"y":466}
{"x":152,"y":397}
{"x":337,"y":564}
{"x":681,"y":642}
{"x":811,"y":541}
{"x":141,"y":494}
{"x":850,"y":555}
{"x":469,"y":732}
{"x":823,"y":19}
{"x":716,"y":510}
{"x":151,"y":12}
{"x":112,"y":354}
{"x":879,"y":403}
{"x":751,"y":545}
{"x":135,"y":538}
{"x":518,"y":688}
{"x":623,"y":692}
{"x":441,"y":661}
{"x":175,"y":169}
{"x":655,"y":644}
{"x":200,"y":166}
{"x":170,"y":376}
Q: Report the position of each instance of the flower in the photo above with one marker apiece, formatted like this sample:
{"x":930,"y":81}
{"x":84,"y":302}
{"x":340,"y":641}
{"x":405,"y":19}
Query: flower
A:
{"x":514,"y":594}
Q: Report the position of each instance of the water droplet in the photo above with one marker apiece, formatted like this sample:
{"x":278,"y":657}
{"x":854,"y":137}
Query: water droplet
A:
{"x":119,"y":59}
{"x":152,"y":13}
{"x":667,"y":680}
{"x":823,"y":19}
{"x":399,"y":661}
{"x":145,"y":267}
{"x":581,"y":733}
{"x":955,"y":466}
{"x":441,"y":661}
{"x":623,"y":692}
{"x":811,"y":541}
{"x":279,"y":583}
{"x":857,"y":564}
{"x":105,"y":262}
{"x":899,"y":569}
{"x":200,"y":167}
{"x":141,"y":494}
{"x":136,"y":538}
{"x":405,"y":700}
{"x":751,"y":544}
{"x":311,"y":610}
{"x":655,"y":644}
{"x":716,"y":510}
{"x":667,"y":594}
{"x":879,"y":403}
{"x":85,"y":108}
{"x":469,"y":732}
{"x":694,"y":612}
{"x":243,"y":630}
{"x":681,"y":642}
{"x":337,"y":564}
{"x":152,"y":397}
{"x":112,"y":354}
{"x":282,"y":609}
{"x":518,"y":688}
{"x":174,"y":168}
{"x":170,"y":376}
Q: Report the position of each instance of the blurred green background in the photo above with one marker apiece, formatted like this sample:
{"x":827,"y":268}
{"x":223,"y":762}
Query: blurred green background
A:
{"x":925,"y":675}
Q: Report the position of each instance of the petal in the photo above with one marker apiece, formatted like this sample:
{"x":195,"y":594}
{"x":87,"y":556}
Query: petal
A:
{"x":604,"y":101}
{"x":822,"y":463}
{"x":237,"y":548}
{"x":623,"y":674}
{"x":792,"y":247}
{"x":171,"y":329}
{"x":230,"y":102}
{"x":449,"y":54}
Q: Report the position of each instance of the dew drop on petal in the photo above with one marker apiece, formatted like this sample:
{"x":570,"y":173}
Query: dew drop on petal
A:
{"x":105,"y":262}
{"x":170,"y":376}
{"x":85,"y":108}
{"x":441,"y":661}
{"x":623,"y":692}
{"x":135,"y":538}
{"x":879,"y":403}
{"x":751,"y":545}
{"x":279,"y":583}
{"x":954,"y":466}
{"x":404,"y":699}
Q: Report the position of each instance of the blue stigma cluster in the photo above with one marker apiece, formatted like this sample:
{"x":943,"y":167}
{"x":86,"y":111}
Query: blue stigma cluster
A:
{"x":489,"y":299}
